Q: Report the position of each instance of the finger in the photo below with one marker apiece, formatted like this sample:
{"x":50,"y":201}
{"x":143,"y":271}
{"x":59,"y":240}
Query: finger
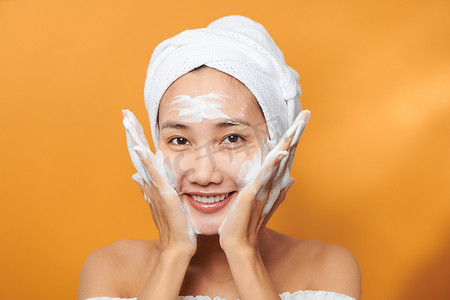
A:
{"x":273,"y":175}
{"x":260,"y":189}
{"x":282,"y":196}
{"x":279,"y":200}
{"x":152,"y":167}
{"x":132,"y":123}
{"x":139,"y":181}
{"x":292,"y":135}
{"x":137,"y":162}
{"x":302,"y":117}
{"x":130,"y":115}
{"x":134,"y":136}
{"x":289,"y":140}
{"x":301,"y":128}
{"x":255,"y":187}
{"x":146,"y":192}
{"x":263,"y":196}
{"x":154,"y":206}
{"x":290,"y":161}
{"x":287,"y":162}
{"x":193,"y":229}
{"x":141,"y":184}
{"x":289,"y":143}
{"x":279,"y":182}
{"x":284,"y":169}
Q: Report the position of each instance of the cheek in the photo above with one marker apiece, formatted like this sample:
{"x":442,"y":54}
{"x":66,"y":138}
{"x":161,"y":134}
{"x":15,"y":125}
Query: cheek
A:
{"x":179,"y":164}
{"x":240,"y":165}
{"x":167,"y":161}
{"x":237,"y":166}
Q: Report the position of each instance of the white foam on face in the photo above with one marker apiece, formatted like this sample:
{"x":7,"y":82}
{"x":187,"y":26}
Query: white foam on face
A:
{"x":171,"y":179}
{"x":249,"y":170}
{"x":194,"y":110}
{"x":169,"y":174}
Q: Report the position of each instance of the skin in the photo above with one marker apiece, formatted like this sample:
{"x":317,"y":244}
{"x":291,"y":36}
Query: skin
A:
{"x":246,"y":253}
{"x":197,"y":172}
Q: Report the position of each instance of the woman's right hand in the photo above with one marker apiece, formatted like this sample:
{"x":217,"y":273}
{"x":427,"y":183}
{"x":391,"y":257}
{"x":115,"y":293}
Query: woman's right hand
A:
{"x":176,"y":229}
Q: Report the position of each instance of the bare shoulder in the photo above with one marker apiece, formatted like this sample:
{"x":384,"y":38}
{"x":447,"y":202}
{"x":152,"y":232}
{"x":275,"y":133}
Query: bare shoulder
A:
{"x":320,"y":266}
{"x":334,"y":268}
{"x":109,"y":271}
{"x":338,"y":269}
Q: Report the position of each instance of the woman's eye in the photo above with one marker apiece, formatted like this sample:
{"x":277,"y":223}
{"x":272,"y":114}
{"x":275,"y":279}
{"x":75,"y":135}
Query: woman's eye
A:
{"x":179,"y":141}
{"x":233,"y":139}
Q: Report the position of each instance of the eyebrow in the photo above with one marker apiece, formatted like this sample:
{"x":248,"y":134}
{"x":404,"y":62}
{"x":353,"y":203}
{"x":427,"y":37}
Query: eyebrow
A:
{"x":225,"y":124}
{"x":232,"y":122}
{"x":175,"y":125}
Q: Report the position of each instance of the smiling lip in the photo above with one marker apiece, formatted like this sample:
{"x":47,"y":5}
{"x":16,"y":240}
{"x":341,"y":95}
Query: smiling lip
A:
{"x":209,"y":208}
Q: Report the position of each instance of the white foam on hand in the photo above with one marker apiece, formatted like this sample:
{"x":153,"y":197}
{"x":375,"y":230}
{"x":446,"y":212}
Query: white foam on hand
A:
{"x":139,"y":150}
{"x":255,"y":167}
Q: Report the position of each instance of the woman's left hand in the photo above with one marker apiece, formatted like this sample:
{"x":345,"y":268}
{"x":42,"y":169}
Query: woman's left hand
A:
{"x":261,"y":196}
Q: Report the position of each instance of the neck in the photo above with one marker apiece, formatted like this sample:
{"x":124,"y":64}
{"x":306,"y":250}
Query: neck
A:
{"x":209,"y":253}
{"x":211,"y":258}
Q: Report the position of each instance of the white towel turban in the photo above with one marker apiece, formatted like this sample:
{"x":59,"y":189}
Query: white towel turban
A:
{"x":235,"y":45}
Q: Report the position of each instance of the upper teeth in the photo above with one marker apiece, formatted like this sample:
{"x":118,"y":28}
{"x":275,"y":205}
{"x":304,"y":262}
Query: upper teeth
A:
{"x":209,"y":199}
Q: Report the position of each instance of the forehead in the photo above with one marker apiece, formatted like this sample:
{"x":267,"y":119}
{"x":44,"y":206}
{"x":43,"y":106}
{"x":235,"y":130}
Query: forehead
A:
{"x":239,"y":100}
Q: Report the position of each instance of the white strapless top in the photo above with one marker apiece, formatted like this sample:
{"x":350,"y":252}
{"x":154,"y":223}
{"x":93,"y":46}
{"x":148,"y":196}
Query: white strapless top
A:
{"x":300,"y":295}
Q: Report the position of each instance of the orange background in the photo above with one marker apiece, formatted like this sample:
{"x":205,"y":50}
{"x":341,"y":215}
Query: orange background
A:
{"x":373,"y":168}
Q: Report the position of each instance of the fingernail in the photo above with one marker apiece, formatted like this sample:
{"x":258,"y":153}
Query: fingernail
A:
{"x":309,"y":116}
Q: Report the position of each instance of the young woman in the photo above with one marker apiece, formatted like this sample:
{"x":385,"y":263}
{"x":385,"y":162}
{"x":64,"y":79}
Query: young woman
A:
{"x":226,"y":122}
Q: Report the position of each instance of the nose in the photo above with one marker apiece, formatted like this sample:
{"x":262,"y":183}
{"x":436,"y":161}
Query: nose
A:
{"x":204,"y":171}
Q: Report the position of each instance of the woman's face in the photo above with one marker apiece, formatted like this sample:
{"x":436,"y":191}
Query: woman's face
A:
{"x":210,"y":124}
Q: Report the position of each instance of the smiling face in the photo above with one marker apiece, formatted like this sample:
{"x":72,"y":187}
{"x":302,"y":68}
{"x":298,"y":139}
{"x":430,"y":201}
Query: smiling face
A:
{"x":210,"y":124}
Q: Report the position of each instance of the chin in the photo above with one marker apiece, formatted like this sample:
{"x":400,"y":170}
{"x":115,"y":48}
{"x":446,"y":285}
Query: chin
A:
{"x":208,"y":229}
{"x":208,"y":220}
{"x":209,"y":224}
